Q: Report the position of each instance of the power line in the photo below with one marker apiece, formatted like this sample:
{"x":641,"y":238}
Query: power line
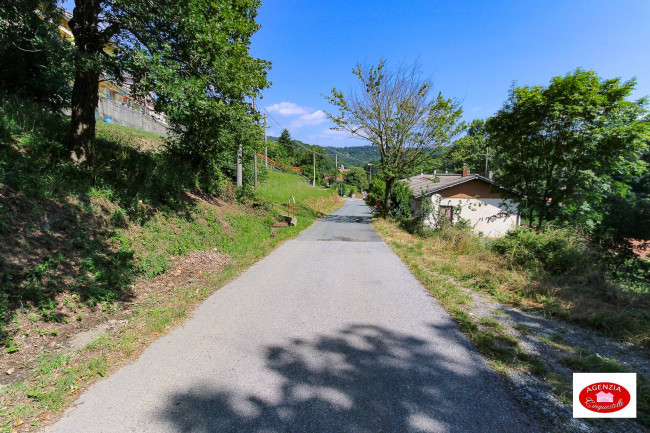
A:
{"x":325,"y":148}
{"x":347,"y":155}
{"x":282,"y":127}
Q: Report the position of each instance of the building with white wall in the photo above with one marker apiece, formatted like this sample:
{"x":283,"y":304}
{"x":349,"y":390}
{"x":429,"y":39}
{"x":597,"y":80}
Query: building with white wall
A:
{"x":463,"y":196}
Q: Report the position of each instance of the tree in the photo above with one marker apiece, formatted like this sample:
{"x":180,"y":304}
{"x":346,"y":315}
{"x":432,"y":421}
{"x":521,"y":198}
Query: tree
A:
{"x":469,"y":150}
{"x":285,"y":138}
{"x":192,"y":55}
{"x":559,"y":146}
{"x":36,"y":59}
{"x":358,"y":177}
{"x":396,"y":112}
{"x":623,"y":212}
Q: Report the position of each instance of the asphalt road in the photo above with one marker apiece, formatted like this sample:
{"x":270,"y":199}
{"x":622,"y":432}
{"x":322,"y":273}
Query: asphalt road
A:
{"x":329,"y":333}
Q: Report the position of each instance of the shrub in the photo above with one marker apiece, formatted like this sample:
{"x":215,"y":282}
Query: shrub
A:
{"x":400,"y":198}
{"x":558,"y":251}
{"x":376,"y":190}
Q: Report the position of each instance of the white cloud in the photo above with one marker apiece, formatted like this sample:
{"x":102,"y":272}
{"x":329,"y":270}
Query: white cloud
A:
{"x":333,"y":133}
{"x":286,"y":109}
{"x":315,"y":118}
{"x":332,"y":137}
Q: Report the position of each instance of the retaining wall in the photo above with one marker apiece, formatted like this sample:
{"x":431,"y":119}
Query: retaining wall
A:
{"x":127,"y":116}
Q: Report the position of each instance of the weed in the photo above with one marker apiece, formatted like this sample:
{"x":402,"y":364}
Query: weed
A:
{"x":12,"y":346}
{"x":44,"y":332}
{"x":522,"y":328}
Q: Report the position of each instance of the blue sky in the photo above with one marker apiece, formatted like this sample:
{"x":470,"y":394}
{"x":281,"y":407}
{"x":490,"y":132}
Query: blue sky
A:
{"x":473,"y":50}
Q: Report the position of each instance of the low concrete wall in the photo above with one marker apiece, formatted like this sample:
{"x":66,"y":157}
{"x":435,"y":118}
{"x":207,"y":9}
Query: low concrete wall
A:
{"x":127,"y":116}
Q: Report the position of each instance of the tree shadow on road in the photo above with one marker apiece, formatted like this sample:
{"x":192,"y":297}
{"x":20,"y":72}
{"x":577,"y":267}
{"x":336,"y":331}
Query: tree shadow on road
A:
{"x":362,"y":379}
{"x":347,"y":219}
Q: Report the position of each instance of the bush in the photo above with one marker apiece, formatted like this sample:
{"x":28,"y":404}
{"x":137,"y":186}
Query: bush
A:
{"x":400,"y":198}
{"x":624,"y":266}
{"x":376,"y":190}
{"x":554,"y":250}
{"x":246,"y":194}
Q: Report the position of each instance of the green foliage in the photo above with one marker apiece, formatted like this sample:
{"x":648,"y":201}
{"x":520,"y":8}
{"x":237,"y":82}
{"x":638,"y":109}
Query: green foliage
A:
{"x":625,"y":266}
{"x":400,"y":197}
{"x":559,"y":146}
{"x":355,"y":156}
{"x":623,"y":211}
{"x":206,"y":102}
{"x":357,"y":177}
{"x":285,"y":138}
{"x":36,"y":60}
{"x":376,"y":191}
{"x":247,"y":194}
{"x":467,"y":150}
{"x":557,"y":251}
{"x":288,"y":153}
{"x":398,"y":113}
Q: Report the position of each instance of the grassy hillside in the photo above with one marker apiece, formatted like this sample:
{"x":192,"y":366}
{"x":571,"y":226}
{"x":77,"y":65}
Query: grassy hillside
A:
{"x":95,"y":264}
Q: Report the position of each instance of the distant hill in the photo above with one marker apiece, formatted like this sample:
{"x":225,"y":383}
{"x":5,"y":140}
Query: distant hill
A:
{"x":355,"y":156}
{"x":352,"y":156}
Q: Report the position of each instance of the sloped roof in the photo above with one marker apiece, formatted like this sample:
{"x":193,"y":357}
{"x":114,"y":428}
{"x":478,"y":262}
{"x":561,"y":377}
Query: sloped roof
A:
{"x":426,"y":184}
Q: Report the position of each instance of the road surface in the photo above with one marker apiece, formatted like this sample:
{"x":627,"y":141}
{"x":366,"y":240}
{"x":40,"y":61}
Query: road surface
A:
{"x":329,"y":333}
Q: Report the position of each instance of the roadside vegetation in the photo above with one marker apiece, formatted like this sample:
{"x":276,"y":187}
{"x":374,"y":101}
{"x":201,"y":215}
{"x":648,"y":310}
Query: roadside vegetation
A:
{"x":554,"y":274}
{"x":569,"y":291}
{"x":99,"y":261}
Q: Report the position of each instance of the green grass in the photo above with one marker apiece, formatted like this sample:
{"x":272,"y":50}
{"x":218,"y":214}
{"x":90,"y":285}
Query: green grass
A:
{"x":467,"y":259}
{"x":104,"y":130}
{"x":91,"y":233}
{"x":280,"y":186}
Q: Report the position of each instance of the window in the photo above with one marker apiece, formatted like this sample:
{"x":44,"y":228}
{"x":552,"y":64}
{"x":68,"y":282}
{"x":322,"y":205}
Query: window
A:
{"x":446,"y":213}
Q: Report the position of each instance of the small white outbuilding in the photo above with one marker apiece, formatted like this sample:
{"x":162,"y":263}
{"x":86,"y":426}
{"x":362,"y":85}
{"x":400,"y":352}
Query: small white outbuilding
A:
{"x":465,"y":196}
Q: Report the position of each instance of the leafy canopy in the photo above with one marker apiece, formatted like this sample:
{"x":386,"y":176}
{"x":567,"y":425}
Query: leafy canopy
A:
{"x":469,"y":150}
{"x":399,"y":114}
{"x":36,"y":62}
{"x":560,"y":146}
{"x":192,"y":59}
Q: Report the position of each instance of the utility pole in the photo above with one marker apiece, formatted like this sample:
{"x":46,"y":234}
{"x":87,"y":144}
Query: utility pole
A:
{"x":255,"y":167}
{"x":487,"y":156}
{"x":336,"y":158}
{"x":266,"y":157}
{"x":239,"y":156}
{"x":255,"y":147}
{"x":313,"y":152}
{"x":370,"y":173}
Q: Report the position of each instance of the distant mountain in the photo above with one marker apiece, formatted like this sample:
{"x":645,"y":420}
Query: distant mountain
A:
{"x":354,"y":156}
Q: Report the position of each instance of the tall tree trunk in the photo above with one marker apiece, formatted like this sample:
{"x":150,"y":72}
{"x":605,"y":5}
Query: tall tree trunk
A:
{"x":89,"y":42}
{"x":389,"y":186}
{"x":82,"y":128}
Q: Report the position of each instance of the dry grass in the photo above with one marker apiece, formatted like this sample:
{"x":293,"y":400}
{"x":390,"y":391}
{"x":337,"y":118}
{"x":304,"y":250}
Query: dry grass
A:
{"x":451,"y":262}
{"x":588,"y":300}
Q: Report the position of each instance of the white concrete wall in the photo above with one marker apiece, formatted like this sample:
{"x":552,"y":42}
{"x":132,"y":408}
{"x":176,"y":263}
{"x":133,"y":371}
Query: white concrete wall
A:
{"x":127,"y":116}
{"x":489,"y":216}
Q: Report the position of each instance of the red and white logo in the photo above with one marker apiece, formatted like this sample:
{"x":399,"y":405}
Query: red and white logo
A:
{"x":604,"y":395}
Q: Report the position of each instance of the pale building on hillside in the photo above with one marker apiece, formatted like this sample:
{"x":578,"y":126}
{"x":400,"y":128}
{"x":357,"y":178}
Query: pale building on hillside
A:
{"x":463,"y":196}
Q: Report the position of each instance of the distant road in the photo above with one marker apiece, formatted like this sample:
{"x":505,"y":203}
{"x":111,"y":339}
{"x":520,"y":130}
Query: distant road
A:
{"x":329,"y":333}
